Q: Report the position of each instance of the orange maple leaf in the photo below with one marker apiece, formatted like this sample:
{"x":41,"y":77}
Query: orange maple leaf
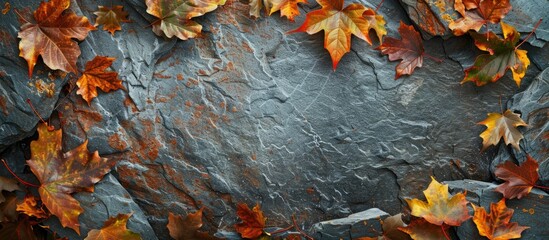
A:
{"x":339,"y":24}
{"x":496,"y":225}
{"x":62,"y":174}
{"x":477,"y":13}
{"x":420,"y":229}
{"x":519,"y":180}
{"x":440,"y":208}
{"x":95,"y":76}
{"x":111,"y":18}
{"x":51,"y":37}
{"x":409,"y":49}
{"x":174,"y":16}
{"x":287,"y":8}
{"x":114,"y":228}
{"x":30,"y":207}
{"x":502,"y":126}
{"x":253,"y":221}
{"x":188,"y":228}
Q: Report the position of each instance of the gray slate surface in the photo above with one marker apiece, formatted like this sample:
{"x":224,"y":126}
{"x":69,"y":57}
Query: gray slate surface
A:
{"x":248,"y":113}
{"x":362,"y":224}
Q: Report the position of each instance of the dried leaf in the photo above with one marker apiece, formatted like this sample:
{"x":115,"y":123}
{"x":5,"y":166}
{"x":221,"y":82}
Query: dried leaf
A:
{"x":519,"y":180}
{"x":496,"y":226}
{"x":8,"y":211}
{"x":477,"y":13}
{"x":111,"y":18}
{"x":420,"y":229}
{"x":409,"y":49}
{"x":95,"y":77}
{"x":175,"y":16}
{"x":51,"y":37}
{"x":7,"y":184}
{"x":391,"y":228}
{"x":30,"y":207}
{"x":502,"y":56}
{"x":61,"y":174}
{"x":20,"y":230}
{"x":502,"y":126}
{"x":114,"y":228}
{"x":440,"y":207}
{"x":188,"y":228}
{"x":287,"y":8}
{"x":339,"y":24}
{"x":253,"y":221}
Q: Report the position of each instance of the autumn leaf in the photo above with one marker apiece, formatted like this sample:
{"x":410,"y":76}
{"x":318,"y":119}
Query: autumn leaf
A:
{"x":20,"y":230}
{"x":114,"y":228}
{"x":7,"y":184}
{"x":95,"y":77}
{"x":409,"y":49}
{"x":496,"y":225}
{"x":477,"y":13}
{"x":519,"y":180}
{"x":62,"y":174}
{"x":51,"y":37}
{"x":502,"y":55}
{"x":188,"y":228}
{"x":174,"y":16}
{"x":31,"y":208}
{"x":420,"y":229}
{"x":8,"y":212}
{"x":252,"y":223}
{"x":111,"y":18}
{"x":502,"y":126}
{"x":440,"y":208}
{"x":287,"y":8}
{"x":339,"y":24}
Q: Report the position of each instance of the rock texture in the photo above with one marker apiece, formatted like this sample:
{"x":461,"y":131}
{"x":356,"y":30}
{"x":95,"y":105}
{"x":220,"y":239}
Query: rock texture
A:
{"x":248,"y":113}
{"x":362,"y":224}
{"x":529,"y":211}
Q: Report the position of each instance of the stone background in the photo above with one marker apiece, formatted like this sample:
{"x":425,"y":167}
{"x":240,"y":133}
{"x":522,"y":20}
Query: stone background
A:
{"x":248,"y":113}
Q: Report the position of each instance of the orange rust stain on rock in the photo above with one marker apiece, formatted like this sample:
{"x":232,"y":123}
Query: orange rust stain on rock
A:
{"x":3,"y":105}
{"x":6,"y":38}
{"x":45,"y":88}
{"x":128,"y":102}
{"x":188,"y":103}
{"x":247,"y":47}
{"x":254,"y":156}
{"x":179,"y":77}
{"x":202,"y":72}
{"x":116,"y":143}
{"x":161,"y":76}
{"x":234,"y":109}
{"x":191,"y":82}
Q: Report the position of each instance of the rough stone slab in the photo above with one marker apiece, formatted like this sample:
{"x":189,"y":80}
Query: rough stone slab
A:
{"x":434,"y":16}
{"x":531,"y":211}
{"x":533,"y":104}
{"x":363,"y":224}
{"x":108,"y":200}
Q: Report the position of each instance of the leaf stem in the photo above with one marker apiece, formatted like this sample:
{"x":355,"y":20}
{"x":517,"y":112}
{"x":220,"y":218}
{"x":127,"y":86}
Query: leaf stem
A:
{"x":444,"y":232}
{"x":301,"y":231}
{"x":21,"y":16}
{"x":281,"y":230}
{"x":50,"y":128}
{"x":17,"y":177}
{"x":541,"y":187}
{"x":529,"y":35}
{"x":433,"y":58}
{"x":379,"y":5}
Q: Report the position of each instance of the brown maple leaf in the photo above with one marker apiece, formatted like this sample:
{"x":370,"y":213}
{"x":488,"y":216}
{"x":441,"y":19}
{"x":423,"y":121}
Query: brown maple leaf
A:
{"x":111,"y":18}
{"x":188,"y":228}
{"x":339,"y":24}
{"x":477,"y":13}
{"x":252,"y":223}
{"x":95,"y":77}
{"x":496,"y":225}
{"x":62,"y":174}
{"x":420,"y":229}
{"x":114,"y":228}
{"x":8,"y":212}
{"x":409,"y":49}
{"x":502,"y":126}
{"x":51,"y":37}
{"x":20,"y":230}
{"x":30,"y":207}
{"x":174,"y":16}
{"x":440,"y":208}
{"x":519,"y":180}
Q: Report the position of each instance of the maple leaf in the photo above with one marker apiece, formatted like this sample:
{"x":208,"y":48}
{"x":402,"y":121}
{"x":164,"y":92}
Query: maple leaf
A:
{"x":174,"y":16}
{"x":111,"y":18}
{"x":7,"y":184}
{"x":253,"y":221}
{"x":502,"y":56}
{"x":519,"y":180}
{"x":420,"y":229}
{"x":339,"y":24}
{"x":287,"y":8}
{"x":61,"y":174}
{"x":496,"y":225}
{"x":440,"y":207}
{"x":8,"y":212}
{"x":114,"y":228}
{"x":502,"y":126}
{"x":95,"y":77}
{"x":21,"y":230}
{"x":409,"y":49}
{"x":188,"y":228}
{"x":51,"y":37}
{"x":30,"y":207}
{"x":477,"y":13}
